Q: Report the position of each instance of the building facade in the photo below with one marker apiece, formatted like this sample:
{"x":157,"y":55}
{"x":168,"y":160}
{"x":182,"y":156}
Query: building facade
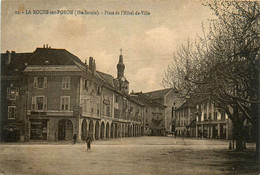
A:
{"x":212,"y":122}
{"x":13,"y":96}
{"x":64,"y":96}
{"x":171,"y":100}
{"x":154,"y":114}
{"x":185,"y":121}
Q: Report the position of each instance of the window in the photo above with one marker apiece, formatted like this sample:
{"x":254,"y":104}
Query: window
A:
{"x":99,"y":90}
{"x":210,"y":116}
{"x":11,"y":112}
{"x":65,"y":82}
{"x":116,"y":99}
{"x":65,"y":103}
{"x":86,"y":85}
{"x":215,"y":115}
{"x":108,"y":111}
{"x":98,"y":108}
{"x":12,"y":93}
{"x":223,"y":115}
{"x":39,"y":103}
{"x":40,"y":82}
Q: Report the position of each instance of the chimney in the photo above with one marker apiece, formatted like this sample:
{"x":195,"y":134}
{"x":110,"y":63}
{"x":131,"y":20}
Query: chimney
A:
{"x":8,"y":60}
{"x":47,"y":46}
{"x":91,"y":63}
{"x":94,"y":67}
{"x":43,"y":45}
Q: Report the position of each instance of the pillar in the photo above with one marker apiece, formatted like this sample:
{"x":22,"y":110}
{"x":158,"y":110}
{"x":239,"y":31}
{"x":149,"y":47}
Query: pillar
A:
{"x":202,"y":131}
{"x":197,"y":131}
{"x":208,"y":135}
{"x":211,"y":131}
{"x":94,"y":130}
{"x":219,"y":130}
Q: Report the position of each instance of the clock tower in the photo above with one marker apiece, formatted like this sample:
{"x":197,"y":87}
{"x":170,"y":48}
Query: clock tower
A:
{"x":121,"y":83}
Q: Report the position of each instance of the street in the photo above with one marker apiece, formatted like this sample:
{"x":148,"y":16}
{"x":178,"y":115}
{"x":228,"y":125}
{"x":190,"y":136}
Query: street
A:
{"x":141,"y":155}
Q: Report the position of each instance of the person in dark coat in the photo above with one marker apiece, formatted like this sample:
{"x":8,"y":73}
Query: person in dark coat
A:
{"x":74,"y":138}
{"x":88,"y":141}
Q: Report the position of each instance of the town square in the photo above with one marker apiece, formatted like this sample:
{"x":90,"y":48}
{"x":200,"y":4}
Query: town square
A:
{"x":143,"y":155}
{"x":142,"y":87}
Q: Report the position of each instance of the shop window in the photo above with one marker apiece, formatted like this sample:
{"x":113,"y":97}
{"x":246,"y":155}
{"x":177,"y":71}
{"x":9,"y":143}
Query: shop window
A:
{"x":65,"y":103}
{"x":39,"y":103}
{"x":12,"y":93}
{"x":11,"y":112}
{"x":40,"y":82}
{"x":65,"y":83}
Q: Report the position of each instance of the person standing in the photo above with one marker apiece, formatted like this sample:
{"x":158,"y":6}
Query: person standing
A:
{"x":88,"y":141}
{"x":74,"y":138}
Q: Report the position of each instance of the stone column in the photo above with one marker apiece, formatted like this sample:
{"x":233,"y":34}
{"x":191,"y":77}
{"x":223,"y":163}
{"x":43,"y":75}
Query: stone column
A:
{"x":94,"y":130}
{"x":211,"y":131}
{"x":208,"y":135}
{"x":219,"y":130}
{"x":197,"y":131}
{"x":202,"y":131}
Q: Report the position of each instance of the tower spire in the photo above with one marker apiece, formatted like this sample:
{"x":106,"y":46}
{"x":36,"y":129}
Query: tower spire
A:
{"x":121,"y":50}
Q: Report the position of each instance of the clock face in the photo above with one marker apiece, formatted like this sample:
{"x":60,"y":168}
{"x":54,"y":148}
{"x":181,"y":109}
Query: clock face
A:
{"x":122,"y":78}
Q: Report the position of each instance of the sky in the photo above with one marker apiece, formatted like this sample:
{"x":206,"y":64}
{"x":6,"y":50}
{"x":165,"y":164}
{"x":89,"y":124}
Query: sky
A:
{"x":148,"y":41}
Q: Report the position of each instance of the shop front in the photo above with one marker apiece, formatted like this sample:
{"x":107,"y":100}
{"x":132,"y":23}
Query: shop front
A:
{"x":38,"y":129}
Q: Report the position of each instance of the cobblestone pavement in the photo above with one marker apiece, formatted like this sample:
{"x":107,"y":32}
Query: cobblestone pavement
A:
{"x":142,"y":155}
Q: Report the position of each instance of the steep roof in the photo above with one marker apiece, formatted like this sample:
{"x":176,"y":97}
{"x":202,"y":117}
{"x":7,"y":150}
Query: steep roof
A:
{"x":146,"y":100}
{"x":158,"y":93}
{"x":106,"y":77}
{"x":50,"y":56}
{"x":17,"y":64}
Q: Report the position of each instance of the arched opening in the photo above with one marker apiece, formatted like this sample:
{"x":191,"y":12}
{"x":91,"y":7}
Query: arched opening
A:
{"x":116,"y":130}
{"x":107,"y":130}
{"x":65,"y":129}
{"x":83,"y":130}
{"x":97,"y":130}
{"x":102,"y":130}
{"x":112,"y":131}
{"x":90,"y":128}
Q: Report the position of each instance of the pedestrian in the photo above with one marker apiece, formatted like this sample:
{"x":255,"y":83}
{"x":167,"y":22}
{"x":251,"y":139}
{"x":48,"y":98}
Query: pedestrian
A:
{"x":175,"y":133}
{"x":88,"y":141}
{"x":74,"y":138}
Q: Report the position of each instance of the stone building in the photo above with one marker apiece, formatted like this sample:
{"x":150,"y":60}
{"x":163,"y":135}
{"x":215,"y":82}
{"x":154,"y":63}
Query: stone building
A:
{"x":185,"y":120}
{"x":154,"y":114}
{"x":65,"y":96}
{"x":13,"y":96}
{"x":212,"y":122}
{"x":171,"y":100}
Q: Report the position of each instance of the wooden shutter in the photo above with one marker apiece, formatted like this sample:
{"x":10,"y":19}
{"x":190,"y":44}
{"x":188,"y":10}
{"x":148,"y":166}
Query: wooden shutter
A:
{"x":14,"y":112}
{"x":33,"y":107}
{"x":17,"y":93}
{"x":45,"y":82}
{"x":68,"y":82}
{"x":45,"y":103}
{"x":8,"y":93}
{"x":35,"y":82}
